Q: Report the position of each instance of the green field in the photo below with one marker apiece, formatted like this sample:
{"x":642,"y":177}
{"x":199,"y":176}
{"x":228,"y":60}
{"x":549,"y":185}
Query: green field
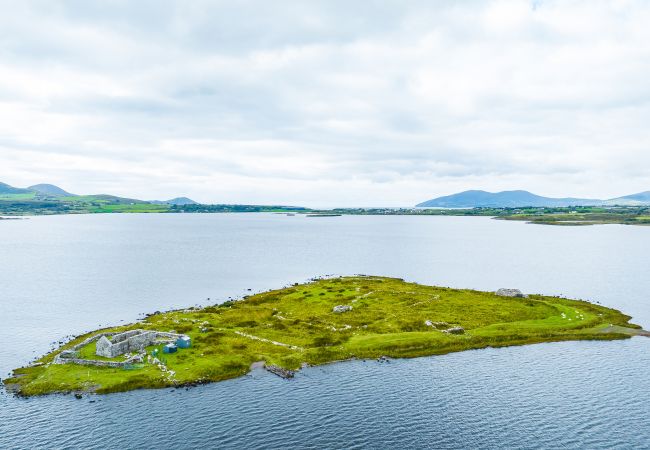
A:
{"x":17,"y":197}
{"x":38,"y":204}
{"x":296,"y":325}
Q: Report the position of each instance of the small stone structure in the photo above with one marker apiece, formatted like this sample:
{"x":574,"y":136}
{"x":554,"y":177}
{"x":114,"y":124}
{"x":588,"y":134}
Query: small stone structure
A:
{"x":129,"y":341}
{"x":341,"y":308}
{"x":511,"y":293}
{"x":132,"y":341}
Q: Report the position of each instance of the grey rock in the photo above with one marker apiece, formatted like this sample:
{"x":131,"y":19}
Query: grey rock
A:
{"x":511,"y":293}
{"x":68,"y":354}
{"x":454,"y":330}
{"x":279,"y":371}
{"x":341,"y":308}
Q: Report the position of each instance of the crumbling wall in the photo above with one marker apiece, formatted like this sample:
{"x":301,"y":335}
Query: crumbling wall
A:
{"x":90,"y":362}
{"x":121,"y":343}
{"x":134,"y":340}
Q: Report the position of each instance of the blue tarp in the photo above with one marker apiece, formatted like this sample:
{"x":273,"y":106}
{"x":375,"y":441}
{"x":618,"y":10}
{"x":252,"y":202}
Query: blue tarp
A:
{"x":184,"y":342}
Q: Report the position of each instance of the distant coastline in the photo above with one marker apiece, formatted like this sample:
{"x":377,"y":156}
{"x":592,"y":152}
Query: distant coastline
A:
{"x":48,"y":199}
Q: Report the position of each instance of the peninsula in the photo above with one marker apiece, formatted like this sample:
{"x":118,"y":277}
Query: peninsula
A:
{"x":322,"y":321}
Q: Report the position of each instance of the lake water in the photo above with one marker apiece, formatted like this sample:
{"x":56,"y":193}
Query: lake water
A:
{"x":64,"y":275}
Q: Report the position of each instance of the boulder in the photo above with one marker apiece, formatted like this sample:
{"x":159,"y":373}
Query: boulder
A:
{"x":511,"y":293}
{"x":341,"y":308}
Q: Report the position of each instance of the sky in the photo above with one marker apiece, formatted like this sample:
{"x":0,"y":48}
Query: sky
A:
{"x":326,"y":103}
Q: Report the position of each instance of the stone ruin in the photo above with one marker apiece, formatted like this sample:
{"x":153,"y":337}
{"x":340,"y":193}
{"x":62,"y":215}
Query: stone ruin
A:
{"x":132,"y":341}
{"x":111,"y":345}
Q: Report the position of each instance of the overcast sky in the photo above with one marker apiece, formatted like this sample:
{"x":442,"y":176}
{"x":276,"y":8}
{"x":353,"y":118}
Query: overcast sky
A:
{"x":325,"y":103}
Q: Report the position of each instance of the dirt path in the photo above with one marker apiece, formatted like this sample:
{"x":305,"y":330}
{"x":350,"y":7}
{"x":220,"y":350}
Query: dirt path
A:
{"x":268,"y":341}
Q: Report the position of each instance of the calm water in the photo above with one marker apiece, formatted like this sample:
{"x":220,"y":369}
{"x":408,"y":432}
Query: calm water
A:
{"x":69,"y":274}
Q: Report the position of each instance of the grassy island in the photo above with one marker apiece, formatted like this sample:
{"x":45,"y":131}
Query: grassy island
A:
{"x":324,"y":321}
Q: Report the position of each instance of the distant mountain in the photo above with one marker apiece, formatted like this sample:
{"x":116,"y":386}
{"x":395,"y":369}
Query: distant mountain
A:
{"x":515,"y":199}
{"x":642,"y":198}
{"x":49,"y":189}
{"x":6,"y":189}
{"x":175,"y":201}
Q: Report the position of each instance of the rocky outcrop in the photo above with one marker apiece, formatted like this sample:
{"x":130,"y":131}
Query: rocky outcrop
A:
{"x":341,"y":308}
{"x":279,"y":371}
{"x":436,"y":325}
{"x":69,"y":354}
{"x":510,"y":293}
{"x":454,"y":330}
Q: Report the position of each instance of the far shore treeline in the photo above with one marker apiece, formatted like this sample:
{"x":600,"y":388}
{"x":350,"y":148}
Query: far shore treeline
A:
{"x":48,"y":199}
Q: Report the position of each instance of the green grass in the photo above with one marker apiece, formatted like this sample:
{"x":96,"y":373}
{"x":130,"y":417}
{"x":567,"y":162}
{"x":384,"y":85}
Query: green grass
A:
{"x":584,"y":216}
{"x":10,"y":197}
{"x":388,"y":318}
{"x":30,"y":204}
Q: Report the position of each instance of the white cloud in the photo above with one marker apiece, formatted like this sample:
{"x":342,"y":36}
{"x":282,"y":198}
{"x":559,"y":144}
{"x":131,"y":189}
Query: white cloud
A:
{"x":326,"y":103}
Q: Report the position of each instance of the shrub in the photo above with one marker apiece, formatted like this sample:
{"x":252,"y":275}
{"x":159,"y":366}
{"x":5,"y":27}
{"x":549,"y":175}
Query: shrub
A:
{"x":326,"y":340}
{"x":183,"y":328}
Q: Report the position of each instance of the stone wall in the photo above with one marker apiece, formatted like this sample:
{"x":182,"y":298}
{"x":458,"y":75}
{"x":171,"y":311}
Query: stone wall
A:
{"x":127,"y":342}
{"x":90,"y":362}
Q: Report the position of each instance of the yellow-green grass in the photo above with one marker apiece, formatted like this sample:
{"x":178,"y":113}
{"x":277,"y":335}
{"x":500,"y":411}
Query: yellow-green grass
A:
{"x":134,"y":208}
{"x":18,"y":197}
{"x":572,"y":219}
{"x":388,"y":319}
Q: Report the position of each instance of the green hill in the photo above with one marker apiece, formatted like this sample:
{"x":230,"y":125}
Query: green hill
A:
{"x":49,"y":189}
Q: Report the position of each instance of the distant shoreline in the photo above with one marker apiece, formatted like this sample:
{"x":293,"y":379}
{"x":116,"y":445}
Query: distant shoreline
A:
{"x":561,"y":216}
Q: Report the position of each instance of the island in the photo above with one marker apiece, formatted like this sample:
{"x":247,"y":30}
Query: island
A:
{"x":319,"y":322}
